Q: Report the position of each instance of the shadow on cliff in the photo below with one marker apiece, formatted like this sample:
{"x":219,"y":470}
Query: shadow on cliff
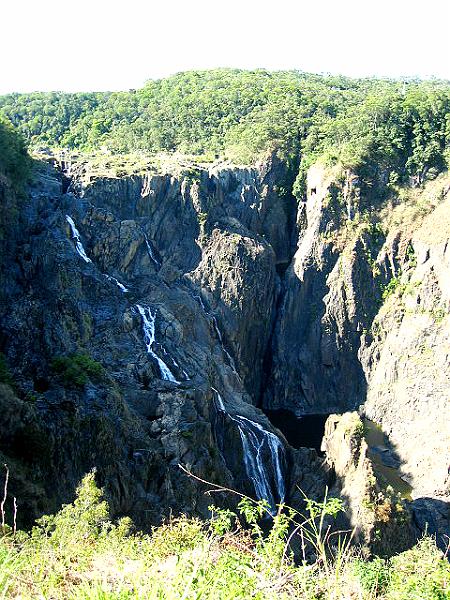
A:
{"x":385,"y":517}
{"x":429,"y":515}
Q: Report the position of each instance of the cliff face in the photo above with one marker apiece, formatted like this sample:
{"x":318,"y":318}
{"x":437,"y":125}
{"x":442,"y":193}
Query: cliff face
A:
{"x":186,"y":289}
{"x":169,"y":282}
{"x":328,"y":294}
{"x":407,"y":357}
{"x":364,"y":317}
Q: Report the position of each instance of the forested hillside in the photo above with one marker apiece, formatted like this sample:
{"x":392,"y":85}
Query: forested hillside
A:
{"x":14,"y":160}
{"x":401,"y":128}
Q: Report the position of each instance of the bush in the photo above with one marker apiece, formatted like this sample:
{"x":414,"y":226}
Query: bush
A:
{"x":77,"y":369}
{"x":5,"y":374}
{"x":373,"y":575}
{"x":420,"y":573}
{"x":14,"y":159}
{"x":80,"y":553}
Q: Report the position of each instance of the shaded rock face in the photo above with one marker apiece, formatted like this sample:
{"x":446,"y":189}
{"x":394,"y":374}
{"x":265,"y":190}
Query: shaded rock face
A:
{"x":363,"y":320}
{"x":81,"y":266}
{"x":328,"y":296}
{"x":245,"y":304}
{"x":406,"y":359}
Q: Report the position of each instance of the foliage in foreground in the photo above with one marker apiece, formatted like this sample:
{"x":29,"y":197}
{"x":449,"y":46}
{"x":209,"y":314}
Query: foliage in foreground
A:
{"x":79,"y":553}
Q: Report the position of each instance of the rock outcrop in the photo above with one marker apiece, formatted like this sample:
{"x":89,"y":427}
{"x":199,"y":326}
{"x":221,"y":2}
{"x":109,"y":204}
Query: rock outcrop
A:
{"x":193,"y":255}
{"x":379,"y":517}
{"x":205,"y":300}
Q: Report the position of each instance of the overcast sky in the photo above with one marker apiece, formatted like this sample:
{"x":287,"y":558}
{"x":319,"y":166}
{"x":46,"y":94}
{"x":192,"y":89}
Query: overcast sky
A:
{"x":108,"y":45}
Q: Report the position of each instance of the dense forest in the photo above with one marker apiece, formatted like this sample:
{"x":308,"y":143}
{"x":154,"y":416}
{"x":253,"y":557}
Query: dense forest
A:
{"x":14,"y":159}
{"x":399,"y":129}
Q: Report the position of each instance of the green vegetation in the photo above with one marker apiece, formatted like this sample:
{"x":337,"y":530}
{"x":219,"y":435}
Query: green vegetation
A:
{"x":77,"y":369}
{"x":15,"y":162}
{"x":79,"y":553}
{"x":5,"y":373}
{"x":391,"y":287}
{"x":392,"y":131}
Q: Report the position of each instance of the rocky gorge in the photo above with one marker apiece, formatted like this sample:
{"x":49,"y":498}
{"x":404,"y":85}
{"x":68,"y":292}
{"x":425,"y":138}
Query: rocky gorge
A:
{"x":159,"y":319}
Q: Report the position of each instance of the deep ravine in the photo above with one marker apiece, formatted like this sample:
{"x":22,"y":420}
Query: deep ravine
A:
{"x":188,"y":293}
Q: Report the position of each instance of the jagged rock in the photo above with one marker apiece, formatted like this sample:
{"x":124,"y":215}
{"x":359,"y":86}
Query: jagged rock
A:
{"x":237,"y":275}
{"x":380,"y":519}
{"x":208,"y":252}
{"x":431,"y":516}
{"x":326,"y":296}
{"x":141,"y":236}
{"x":407,"y":364}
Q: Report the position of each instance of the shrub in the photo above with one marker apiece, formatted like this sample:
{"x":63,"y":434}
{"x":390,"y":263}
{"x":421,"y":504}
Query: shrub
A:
{"x":79,"y":553}
{"x":373,"y":575}
{"x":77,"y":369}
{"x":420,"y":573}
{"x":5,"y":374}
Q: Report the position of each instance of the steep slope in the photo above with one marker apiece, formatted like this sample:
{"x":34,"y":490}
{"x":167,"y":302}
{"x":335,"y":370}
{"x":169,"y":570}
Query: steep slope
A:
{"x":132,"y":350}
{"x":147,"y":318}
{"x":363,"y":322}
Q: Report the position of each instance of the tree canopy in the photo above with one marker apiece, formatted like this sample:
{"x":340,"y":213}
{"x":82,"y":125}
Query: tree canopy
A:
{"x":399,"y":128}
{"x":14,"y":159}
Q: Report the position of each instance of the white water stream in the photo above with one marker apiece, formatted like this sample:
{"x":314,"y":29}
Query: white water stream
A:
{"x":76,"y":237}
{"x":148,"y":325}
{"x":117,"y":282}
{"x":150,"y":250}
{"x":254,"y":439}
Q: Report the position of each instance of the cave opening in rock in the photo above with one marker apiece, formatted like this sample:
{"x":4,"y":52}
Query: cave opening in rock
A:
{"x":301,"y":432}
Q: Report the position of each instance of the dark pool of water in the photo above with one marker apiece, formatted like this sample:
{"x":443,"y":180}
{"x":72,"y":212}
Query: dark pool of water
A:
{"x":300,"y":432}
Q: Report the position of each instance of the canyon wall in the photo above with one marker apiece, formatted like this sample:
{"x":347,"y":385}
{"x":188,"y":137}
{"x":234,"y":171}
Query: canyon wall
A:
{"x":206,"y":300}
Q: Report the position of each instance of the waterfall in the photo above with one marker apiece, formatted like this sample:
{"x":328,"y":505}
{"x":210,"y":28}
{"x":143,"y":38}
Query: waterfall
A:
{"x":117,"y":282}
{"x":219,"y":401}
{"x":186,"y":376}
{"x":276,"y":452}
{"x":254,"y":465}
{"x":148,"y":325}
{"x":254,"y":440}
{"x":219,"y":335}
{"x":76,"y":237}
{"x":217,"y":330}
{"x":150,"y":250}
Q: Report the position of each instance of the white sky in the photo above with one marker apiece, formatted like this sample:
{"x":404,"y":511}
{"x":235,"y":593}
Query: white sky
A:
{"x":85,"y":45}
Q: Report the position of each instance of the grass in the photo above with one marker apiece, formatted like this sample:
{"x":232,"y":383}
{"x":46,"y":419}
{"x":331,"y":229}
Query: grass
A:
{"x":79,"y":553}
{"x":106,"y":165}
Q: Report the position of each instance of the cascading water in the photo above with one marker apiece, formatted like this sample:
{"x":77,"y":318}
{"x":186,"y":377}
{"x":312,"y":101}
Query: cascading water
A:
{"x":186,"y":376}
{"x":148,"y":325}
{"x":220,"y":403}
{"x":117,"y":282}
{"x":219,"y":335}
{"x":76,"y":237}
{"x":81,"y":251}
{"x":276,"y":451}
{"x":217,"y":330}
{"x":254,"y":440}
{"x":150,"y":250}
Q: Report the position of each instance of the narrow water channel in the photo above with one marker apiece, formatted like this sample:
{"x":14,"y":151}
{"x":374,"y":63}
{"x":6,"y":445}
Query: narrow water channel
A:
{"x":386,"y":465}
